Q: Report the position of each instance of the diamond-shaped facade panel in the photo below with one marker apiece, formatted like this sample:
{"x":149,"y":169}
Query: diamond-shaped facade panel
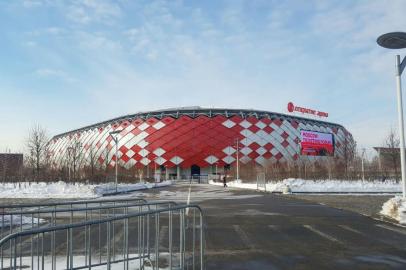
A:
{"x":229,"y":150}
{"x":245,"y":124}
{"x":145,"y":161}
{"x":143,"y":152}
{"x":228,"y":159}
{"x":159,"y":160}
{"x":260,"y":125}
{"x":143,"y":126}
{"x":211,"y":159}
{"x":246,"y":150}
{"x":176,"y":160}
{"x":158,"y":125}
{"x":159,"y":152}
{"x":229,"y":123}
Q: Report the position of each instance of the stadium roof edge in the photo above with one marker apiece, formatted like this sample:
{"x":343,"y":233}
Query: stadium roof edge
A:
{"x":195,"y":111}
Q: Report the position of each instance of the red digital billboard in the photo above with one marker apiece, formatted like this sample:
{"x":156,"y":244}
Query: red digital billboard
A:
{"x":315,"y":143}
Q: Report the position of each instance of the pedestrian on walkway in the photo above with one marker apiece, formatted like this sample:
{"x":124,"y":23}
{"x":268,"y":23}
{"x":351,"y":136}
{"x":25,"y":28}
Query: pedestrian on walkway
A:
{"x":225,"y":180}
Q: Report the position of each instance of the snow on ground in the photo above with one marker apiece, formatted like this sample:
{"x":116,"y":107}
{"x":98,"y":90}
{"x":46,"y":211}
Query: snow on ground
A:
{"x":68,"y":190}
{"x":81,"y":261}
{"x":395,"y":208}
{"x":106,"y":189}
{"x":301,"y":185}
{"x":5,"y":221}
{"x":46,"y":190}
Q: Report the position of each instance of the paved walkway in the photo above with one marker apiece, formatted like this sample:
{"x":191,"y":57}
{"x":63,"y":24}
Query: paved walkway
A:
{"x":249,"y":230}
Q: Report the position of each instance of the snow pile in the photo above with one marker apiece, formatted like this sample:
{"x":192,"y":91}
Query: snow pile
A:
{"x":46,"y":190}
{"x":301,"y":185}
{"x":395,"y":208}
{"x":67,"y":190}
{"x":16,"y":220}
{"x":106,"y":189}
{"x":270,"y":186}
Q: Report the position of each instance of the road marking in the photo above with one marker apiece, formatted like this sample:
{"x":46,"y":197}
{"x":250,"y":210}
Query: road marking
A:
{"x":372,"y":237}
{"x":348,"y":228}
{"x":322,"y":234}
{"x":188,"y":198}
{"x":391,"y":229}
{"x":244,"y":237}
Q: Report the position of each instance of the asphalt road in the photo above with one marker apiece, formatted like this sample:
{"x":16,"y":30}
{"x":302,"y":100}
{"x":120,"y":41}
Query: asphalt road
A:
{"x":369,"y":205}
{"x":250,"y":230}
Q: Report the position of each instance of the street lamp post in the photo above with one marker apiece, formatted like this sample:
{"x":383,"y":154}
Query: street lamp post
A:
{"x":115,"y":139}
{"x":397,"y":40}
{"x":238,"y":158}
{"x":155,"y":174}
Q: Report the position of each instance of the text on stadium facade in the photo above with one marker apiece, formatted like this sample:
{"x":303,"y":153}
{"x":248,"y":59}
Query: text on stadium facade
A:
{"x":293,"y":108}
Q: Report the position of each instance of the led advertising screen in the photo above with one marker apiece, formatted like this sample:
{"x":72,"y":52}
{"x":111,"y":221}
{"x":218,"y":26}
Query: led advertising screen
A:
{"x":316,"y":143}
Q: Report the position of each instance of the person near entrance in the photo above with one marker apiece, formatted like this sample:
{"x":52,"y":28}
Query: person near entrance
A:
{"x":225,"y":180}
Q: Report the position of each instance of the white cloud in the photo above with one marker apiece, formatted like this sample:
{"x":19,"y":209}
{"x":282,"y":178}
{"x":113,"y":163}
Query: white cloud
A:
{"x":29,"y":43}
{"x":32,"y":3}
{"x":87,"y":11}
{"x":97,"y":43}
{"x":54,"y":73}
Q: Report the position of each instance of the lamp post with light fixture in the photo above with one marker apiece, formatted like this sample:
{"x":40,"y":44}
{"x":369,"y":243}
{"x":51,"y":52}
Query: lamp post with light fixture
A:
{"x":114,"y":135}
{"x":237,"y":145}
{"x":397,"y":40}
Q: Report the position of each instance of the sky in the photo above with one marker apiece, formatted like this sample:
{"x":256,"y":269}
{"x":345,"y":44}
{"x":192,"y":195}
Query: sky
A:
{"x":67,"y":64}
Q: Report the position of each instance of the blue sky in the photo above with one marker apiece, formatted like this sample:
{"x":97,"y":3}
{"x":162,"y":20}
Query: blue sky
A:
{"x":66,"y":64}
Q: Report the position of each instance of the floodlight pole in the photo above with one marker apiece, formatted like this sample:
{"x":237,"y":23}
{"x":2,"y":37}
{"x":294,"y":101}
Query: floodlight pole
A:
{"x":400,"y":66}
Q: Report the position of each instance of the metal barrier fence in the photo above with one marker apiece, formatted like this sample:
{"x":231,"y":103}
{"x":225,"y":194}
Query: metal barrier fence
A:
{"x":261,"y":181}
{"x":200,"y":178}
{"x":77,"y":211}
{"x":14,"y":217}
{"x":142,"y":241}
{"x":68,"y":203}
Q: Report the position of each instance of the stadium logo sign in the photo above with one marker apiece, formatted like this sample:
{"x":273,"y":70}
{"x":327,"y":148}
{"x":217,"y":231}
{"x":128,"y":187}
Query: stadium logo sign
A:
{"x":292,"y":108}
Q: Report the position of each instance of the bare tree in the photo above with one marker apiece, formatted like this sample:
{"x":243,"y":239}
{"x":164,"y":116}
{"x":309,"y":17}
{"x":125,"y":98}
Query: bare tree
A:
{"x":75,"y":153}
{"x":4,"y":168}
{"x":350,"y":150}
{"x":106,"y":162}
{"x":392,"y":143}
{"x":92,"y":158}
{"x":37,"y":148}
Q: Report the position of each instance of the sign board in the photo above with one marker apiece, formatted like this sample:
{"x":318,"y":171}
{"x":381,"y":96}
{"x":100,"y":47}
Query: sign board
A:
{"x":293,"y":108}
{"x":315,"y":143}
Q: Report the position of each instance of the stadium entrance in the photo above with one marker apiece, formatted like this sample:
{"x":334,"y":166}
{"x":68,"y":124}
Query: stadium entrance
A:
{"x":195,"y":170}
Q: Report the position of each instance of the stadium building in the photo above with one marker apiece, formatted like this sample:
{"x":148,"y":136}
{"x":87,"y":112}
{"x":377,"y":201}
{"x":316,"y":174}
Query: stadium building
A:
{"x":194,"y":140}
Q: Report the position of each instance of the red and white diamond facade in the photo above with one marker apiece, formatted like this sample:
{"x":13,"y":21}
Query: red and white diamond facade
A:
{"x":182,"y":138}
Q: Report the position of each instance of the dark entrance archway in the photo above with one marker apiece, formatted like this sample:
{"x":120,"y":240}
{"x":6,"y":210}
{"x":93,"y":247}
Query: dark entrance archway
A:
{"x":195,"y":170}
